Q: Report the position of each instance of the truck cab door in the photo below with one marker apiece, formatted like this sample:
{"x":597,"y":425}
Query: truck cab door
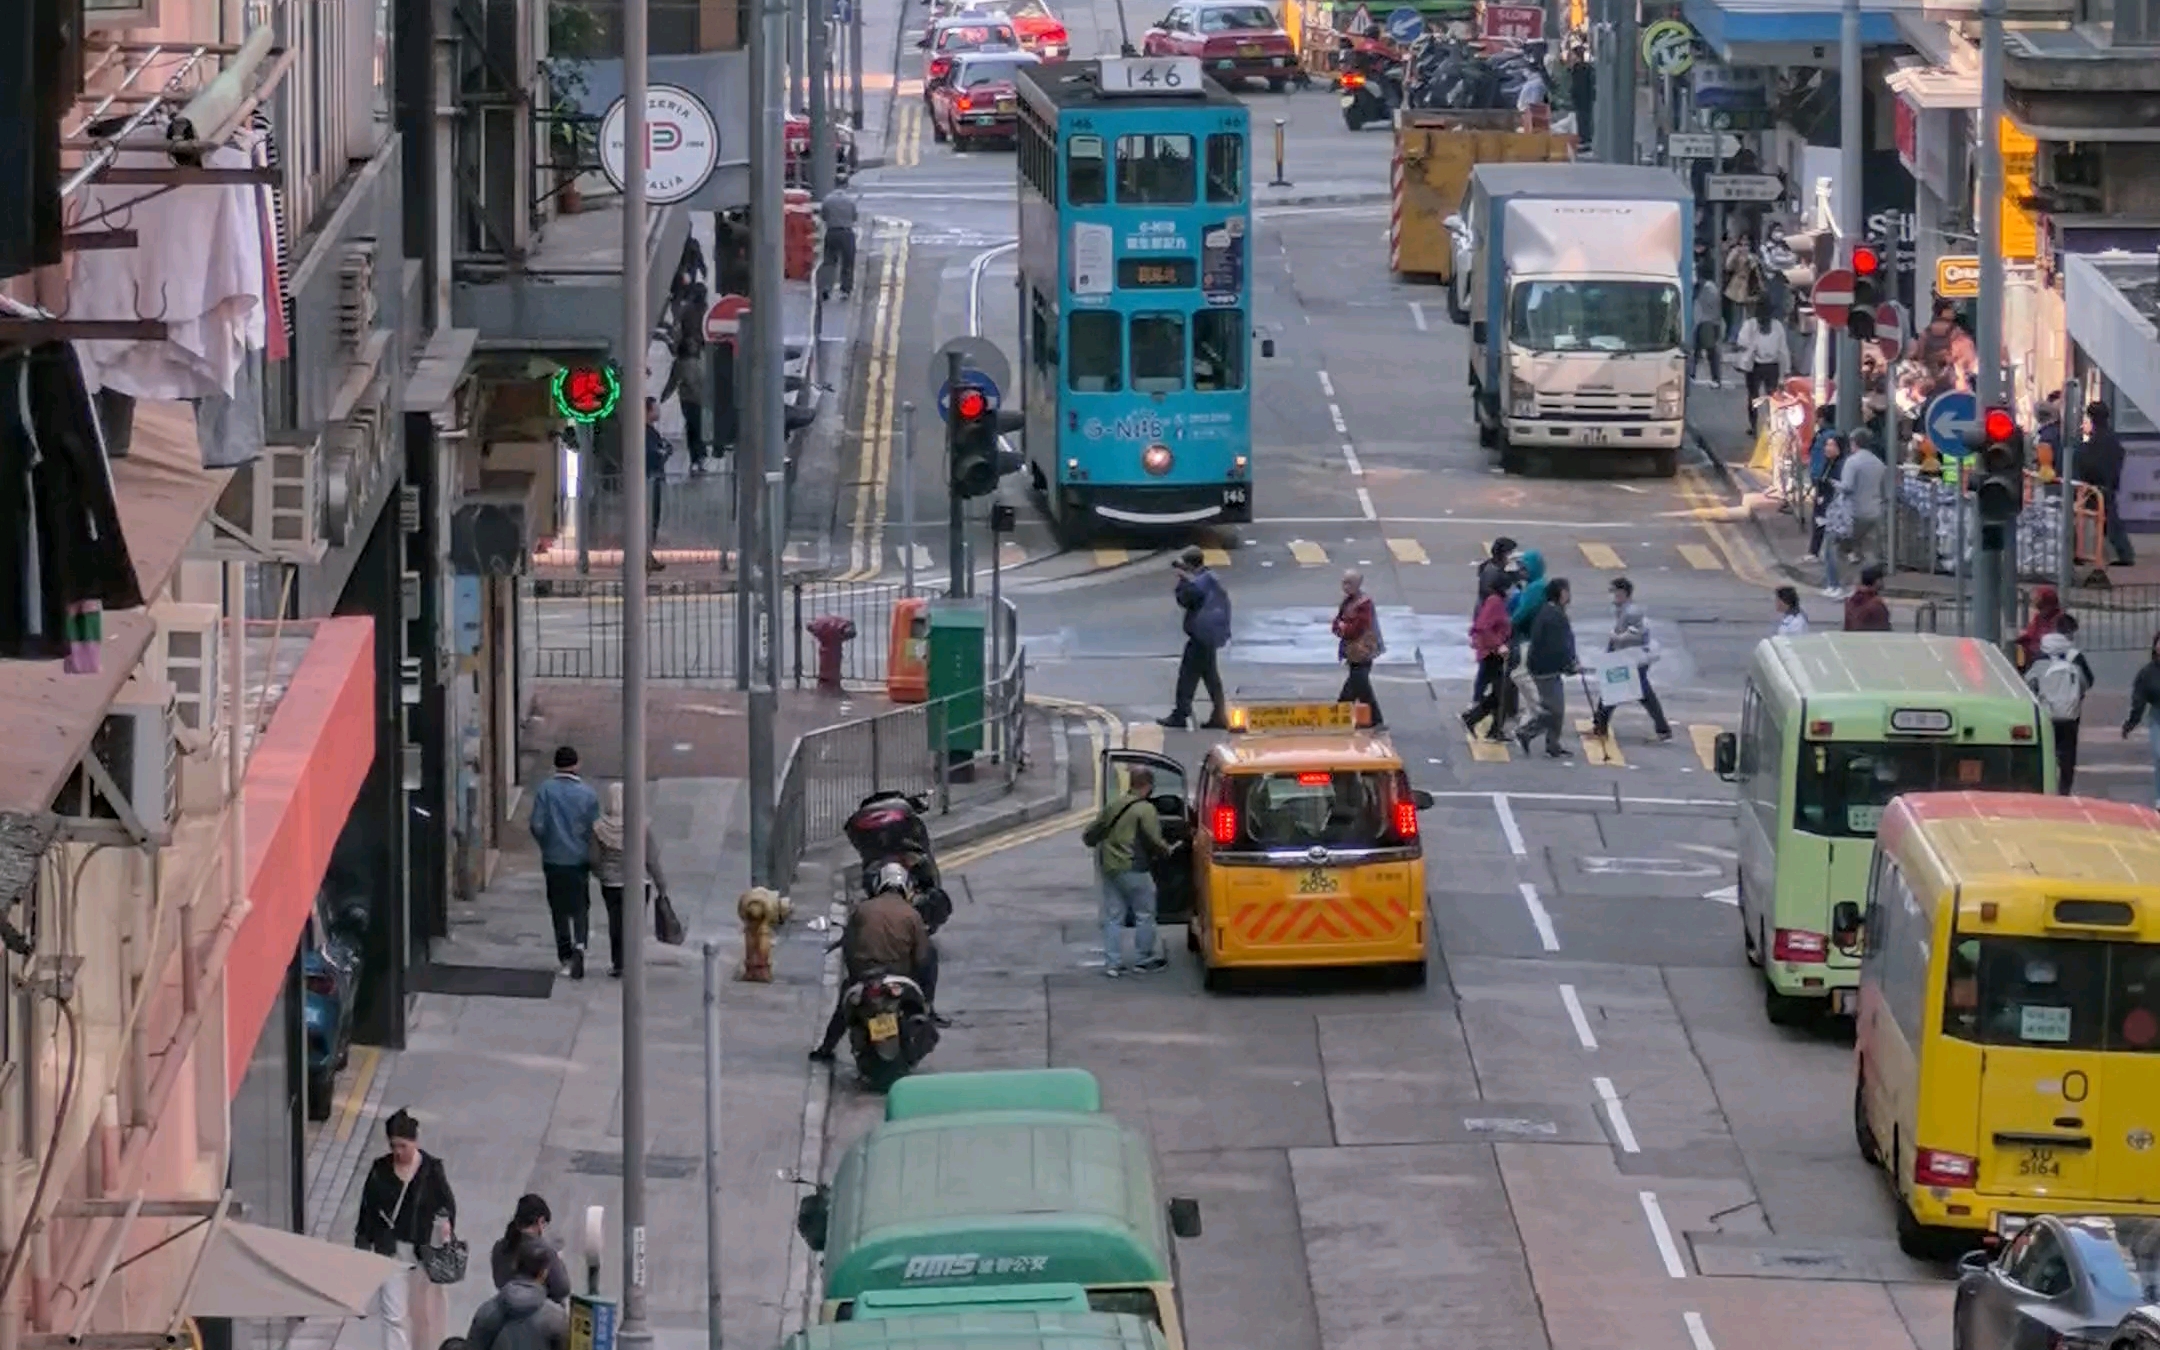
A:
{"x":1173,"y":870}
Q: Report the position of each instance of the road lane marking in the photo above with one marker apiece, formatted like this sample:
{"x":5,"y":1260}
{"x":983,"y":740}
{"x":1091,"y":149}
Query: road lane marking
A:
{"x":1540,"y":919}
{"x":1701,"y":558}
{"x":1662,"y":1234}
{"x":1335,"y":415}
{"x":1417,"y":316}
{"x":1327,"y":386}
{"x":1698,"y":1334}
{"x":1598,"y":749}
{"x":1725,"y":803}
{"x":1307,"y":553}
{"x":1111,"y":557}
{"x":1575,"y":1015}
{"x":1365,"y":500}
{"x":1485,"y":751}
{"x":1409,"y":551}
{"x":1349,"y":454}
{"x":1601,"y":557}
{"x":365,"y":1060}
{"x":1622,"y":1131}
{"x":1010,"y":554}
{"x":866,"y":544}
{"x":1705,"y":735}
{"x":1741,"y":557}
{"x":1508,"y":826}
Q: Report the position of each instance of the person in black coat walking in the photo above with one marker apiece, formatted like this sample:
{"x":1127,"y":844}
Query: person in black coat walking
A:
{"x":406,"y":1203}
{"x":2098,"y":461}
{"x":1550,"y":656}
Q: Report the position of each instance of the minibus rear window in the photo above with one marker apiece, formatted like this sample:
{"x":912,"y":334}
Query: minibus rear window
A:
{"x":1136,"y":1302}
{"x":2054,"y":994}
{"x":1841,"y":787}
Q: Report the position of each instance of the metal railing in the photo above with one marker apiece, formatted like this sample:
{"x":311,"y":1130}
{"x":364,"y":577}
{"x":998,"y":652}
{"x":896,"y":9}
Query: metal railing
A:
{"x":2110,"y":618}
{"x":830,"y":771}
{"x":696,"y":512}
{"x":572,"y":630}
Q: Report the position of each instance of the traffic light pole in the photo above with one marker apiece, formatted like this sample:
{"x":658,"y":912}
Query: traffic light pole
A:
{"x":1850,"y":388}
{"x":961,"y":577}
{"x":1991,"y":586}
{"x":2073,"y":423}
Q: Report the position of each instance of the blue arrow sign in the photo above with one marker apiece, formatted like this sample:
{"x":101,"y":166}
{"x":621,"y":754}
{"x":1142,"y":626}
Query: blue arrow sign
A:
{"x":973,"y":377}
{"x":1948,"y":417}
{"x":1405,"y":24}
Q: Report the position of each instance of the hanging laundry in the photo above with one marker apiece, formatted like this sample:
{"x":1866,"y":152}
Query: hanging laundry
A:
{"x":63,"y":558}
{"x":200,"y":267}
{"x":37,"y":83}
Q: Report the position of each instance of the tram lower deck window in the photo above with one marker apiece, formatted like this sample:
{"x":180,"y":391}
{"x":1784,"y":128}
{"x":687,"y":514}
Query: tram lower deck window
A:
{"x":1219,"y":341}
{"x":1158,"y":353}
{"x":1095,"y":357}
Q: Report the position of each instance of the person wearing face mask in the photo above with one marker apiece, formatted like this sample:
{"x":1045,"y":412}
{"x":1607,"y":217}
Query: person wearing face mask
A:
{"x":406,"y":1204}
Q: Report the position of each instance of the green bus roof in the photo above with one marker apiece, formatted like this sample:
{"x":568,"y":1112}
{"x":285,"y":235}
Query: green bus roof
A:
{"x":943,"y":1094}
{"x":1864,"y":674}
{"x":876,"y":1303}
{"x":995,"y":1198}
{"x":964,"y":1328}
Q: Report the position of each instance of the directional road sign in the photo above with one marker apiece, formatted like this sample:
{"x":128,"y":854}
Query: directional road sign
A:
{"x":981,"y":363}
{"x":1702,"y":145}
{"x":1948,"y":417}
{"x":1405,"y":24}
{"x":1833,"y":297}
{"x":1742,"y":187}
{"x":723,"y":322}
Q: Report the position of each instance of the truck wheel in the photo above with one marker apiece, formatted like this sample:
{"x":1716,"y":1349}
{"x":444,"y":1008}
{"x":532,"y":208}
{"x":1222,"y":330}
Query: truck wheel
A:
{"x":1665,"y":463}
{"x":1458,"y":313}
{"x":1512,"y":459}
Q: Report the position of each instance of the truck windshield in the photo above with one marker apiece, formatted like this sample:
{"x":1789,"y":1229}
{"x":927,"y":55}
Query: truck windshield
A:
{"x":1595,"y":316}
{"x":1841,"y":787}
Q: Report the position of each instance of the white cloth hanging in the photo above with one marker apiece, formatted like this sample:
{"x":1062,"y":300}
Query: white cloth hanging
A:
{"x":199,"y":258}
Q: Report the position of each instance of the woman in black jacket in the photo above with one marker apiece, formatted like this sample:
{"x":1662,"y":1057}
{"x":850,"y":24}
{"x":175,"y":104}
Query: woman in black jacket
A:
{"x":406,"y":1203}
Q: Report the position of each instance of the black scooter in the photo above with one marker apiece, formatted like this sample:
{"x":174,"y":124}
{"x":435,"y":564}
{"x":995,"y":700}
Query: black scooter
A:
{"x":1370,"y":95}
{"x":889,"y":1028}
{"x":888,"y":827}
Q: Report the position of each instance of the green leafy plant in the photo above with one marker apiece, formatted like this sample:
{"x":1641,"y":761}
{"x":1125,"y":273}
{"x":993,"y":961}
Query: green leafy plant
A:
{"x":575,"y":35}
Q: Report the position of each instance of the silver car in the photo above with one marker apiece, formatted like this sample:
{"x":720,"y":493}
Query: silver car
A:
{"x":2063,"y":1283}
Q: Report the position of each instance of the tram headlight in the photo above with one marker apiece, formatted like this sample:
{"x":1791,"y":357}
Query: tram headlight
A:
{"x":1156,"y":459}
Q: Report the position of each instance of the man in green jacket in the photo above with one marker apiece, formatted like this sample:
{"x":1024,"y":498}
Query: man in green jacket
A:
{"x":1126,"y":836}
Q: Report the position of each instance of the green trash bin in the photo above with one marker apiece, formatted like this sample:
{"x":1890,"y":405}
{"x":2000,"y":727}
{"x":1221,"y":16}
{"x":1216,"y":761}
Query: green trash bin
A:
{"x":957,"y":632}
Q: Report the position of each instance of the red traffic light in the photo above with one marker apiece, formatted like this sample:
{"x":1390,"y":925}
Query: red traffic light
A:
{"x":971,"y":404}
{"x":1866,"y":262}
{"x":1999,"y":425}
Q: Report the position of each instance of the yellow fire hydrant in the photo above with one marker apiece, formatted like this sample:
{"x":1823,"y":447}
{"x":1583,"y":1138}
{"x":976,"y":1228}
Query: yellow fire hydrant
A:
{"x":762,"y":911}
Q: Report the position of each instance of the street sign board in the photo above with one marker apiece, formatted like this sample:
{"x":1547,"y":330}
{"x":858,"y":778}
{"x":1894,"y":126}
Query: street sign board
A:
{"x":1360,"y":21}
{"x":1511,"y":23}
{"x":1948,"y":417}
{"x":1405,"y":24}
{"x":1742,"y":187}
{"x":1833,"y":296}
{"x":1957,"y":276}
{"x":682,"y":144}
{"x":1890,"y":319}
{"x":1702,"y":145}
{"x":1668,"y":47}
{"x":981,"y":364}
{"x":723,"y":322}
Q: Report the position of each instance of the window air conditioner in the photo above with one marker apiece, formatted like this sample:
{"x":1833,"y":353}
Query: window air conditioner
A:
{"x":272,"y":510}
{"x":356,"y":295}
{"x":136,"y":760}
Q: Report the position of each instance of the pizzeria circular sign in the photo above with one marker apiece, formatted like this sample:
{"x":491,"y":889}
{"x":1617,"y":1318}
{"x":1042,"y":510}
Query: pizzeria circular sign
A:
{"x":682,"y":144}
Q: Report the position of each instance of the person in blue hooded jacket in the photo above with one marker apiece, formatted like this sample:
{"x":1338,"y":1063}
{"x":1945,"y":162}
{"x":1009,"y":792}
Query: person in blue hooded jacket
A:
{"x":1531,"y":598}
{"x":1206,"y":604}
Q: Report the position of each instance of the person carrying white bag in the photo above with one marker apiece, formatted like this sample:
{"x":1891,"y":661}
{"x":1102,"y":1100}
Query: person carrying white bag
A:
{"x":1631,"y":636}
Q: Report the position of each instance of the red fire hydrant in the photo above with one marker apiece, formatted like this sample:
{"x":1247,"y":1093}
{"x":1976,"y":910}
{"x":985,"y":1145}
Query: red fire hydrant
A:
{"x":832,"y":633}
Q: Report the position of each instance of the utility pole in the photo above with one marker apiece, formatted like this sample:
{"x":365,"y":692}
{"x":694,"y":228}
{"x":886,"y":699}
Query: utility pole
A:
{"x":634,"y":1334}
{"x":854,"y":64}
{"x":907,"y":495}
{"x":821,"y":130}
{"x":1626,"y":40}
{"x":1993,"y":590}
{"x":1602,"y":122}
{"x":713,"y":1210}
{"x":763,"y":451}
{"x":961,"y":577}
{"x":2071,"y":428}
{"x":1850,"y":390}
{"x":797,"y":10}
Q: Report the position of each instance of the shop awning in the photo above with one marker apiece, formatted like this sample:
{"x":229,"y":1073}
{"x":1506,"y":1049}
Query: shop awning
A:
{"x":2111,"y":302}
{"x":1775,"y":32}
{"x":1936,"y":88}
{"x":252,"y":1272}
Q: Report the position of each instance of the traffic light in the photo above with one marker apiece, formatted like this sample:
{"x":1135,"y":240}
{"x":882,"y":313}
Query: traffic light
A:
{"x":973,"y":440}
{"x":1999,"y":476}
{"x":1868,"y":285}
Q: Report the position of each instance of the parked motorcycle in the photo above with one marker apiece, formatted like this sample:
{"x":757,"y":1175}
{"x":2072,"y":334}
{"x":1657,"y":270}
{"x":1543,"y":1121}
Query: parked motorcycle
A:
{"x":889,"y":1028}
{"x":889,"y":827}
{"x":1370,"y":95}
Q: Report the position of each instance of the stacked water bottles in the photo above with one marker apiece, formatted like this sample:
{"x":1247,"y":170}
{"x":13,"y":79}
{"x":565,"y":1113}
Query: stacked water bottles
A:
{"x":1936,"y":500}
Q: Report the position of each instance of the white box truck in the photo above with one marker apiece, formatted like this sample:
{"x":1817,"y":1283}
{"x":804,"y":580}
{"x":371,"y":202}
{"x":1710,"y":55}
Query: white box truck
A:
{"x":1578,"y":282}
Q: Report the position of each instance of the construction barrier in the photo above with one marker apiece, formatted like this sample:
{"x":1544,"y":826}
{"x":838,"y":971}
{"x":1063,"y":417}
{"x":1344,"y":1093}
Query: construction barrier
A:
{"x":798,"y":234}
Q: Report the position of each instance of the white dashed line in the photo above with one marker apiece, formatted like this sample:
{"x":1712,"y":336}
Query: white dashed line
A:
{"x":1327,"y":386}
{"x":1697,"y":1333}
{"x":1539,"y":919}
{"x":1417,"y":315}
{"x":1575,"y":1015}
{"x":1349,"y":454}
{"x":1364,"y":499}
{"x":1662,"y":1233}
{"x":1335,"y":415}
{"x":1620,"y":1127}
{"x":1508,"y":826}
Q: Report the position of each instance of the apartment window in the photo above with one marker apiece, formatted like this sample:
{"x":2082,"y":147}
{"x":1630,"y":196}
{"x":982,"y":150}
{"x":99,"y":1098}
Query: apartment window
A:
{"x":672,"y":28}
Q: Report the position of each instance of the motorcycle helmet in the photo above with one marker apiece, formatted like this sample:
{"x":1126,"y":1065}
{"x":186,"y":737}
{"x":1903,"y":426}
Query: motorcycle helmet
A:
{"x":893,"y":877}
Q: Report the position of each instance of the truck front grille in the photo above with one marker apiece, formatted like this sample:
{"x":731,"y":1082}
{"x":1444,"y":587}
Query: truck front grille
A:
{"x":1595,"y":403}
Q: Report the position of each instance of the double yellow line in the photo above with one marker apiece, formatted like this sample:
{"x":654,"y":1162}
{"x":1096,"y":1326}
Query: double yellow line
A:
{"x":1104,"y":729}
{"x":873,"y":465}
{"x":1742,"y":558}
{"x":907,"y":140}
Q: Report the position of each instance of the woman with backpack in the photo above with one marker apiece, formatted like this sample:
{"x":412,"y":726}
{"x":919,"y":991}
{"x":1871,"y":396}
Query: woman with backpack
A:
{"x":2060,"y":679}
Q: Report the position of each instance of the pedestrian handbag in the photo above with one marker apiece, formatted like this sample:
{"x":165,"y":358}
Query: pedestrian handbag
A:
{"x":667,"y":924}
{"x":444,"y":1263}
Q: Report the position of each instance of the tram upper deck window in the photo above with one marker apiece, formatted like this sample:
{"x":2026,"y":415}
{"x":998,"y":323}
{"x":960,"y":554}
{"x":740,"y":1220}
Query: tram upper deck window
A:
{"x":1155,"y":170}
{"x":1226,"y":168}
{"x":1086,"y":183}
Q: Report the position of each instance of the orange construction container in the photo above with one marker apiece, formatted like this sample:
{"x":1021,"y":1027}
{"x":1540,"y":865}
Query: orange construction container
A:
{"x":907,"y":653}
{"x":798,"y":235}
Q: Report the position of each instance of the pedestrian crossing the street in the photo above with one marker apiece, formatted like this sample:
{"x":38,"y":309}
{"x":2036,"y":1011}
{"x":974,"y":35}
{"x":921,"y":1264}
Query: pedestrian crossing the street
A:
{"x":1692,"y":750}
{"x":1309,"y":553}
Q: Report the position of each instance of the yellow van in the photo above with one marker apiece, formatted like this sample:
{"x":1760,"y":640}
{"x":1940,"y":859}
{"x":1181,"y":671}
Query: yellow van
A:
{"x":2007,"y":1057}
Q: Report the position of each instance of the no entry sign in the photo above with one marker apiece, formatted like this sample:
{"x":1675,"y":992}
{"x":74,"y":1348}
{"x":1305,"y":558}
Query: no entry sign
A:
{"x":1833,"y":297}
{"x":724,"y":320}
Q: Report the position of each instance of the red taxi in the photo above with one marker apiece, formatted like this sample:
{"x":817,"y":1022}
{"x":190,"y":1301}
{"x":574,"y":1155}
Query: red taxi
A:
{"x":1232,"y":39}
{"x":949,"y":39}
{"x":1039,"y":29}
{"x":798,"y":150}
{"x":979,"y":101}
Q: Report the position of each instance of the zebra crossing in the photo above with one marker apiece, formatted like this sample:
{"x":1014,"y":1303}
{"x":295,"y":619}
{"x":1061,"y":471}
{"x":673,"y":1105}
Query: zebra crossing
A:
{"x":1692,"y":746}
{"x":1313,"y":553}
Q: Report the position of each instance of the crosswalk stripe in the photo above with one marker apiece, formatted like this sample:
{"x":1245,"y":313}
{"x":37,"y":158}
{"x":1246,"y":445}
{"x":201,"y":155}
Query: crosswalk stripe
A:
{"x":1215,"y":557}
{"x":1601,"y":556}
{"x":1144,"y":735}
{"x":1110,"y":557}
{"x":1705,"y":736}
{"x":1701,"y":558}
{"x":1487,"y":752}
{"x":1599,"y":749}
{"x":1408,"y":551}
{"x":1307,"y":553}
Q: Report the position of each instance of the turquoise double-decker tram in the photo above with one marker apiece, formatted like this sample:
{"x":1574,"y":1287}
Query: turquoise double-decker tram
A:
{"x":1135,"y":262}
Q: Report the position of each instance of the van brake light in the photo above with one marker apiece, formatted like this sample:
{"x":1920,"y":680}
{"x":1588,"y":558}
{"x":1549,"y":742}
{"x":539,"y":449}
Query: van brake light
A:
{"x":1222,"y":825}
{"x":1406,"y":822}
{"x":1799,"y":946}
{"x":1933,"y":1167}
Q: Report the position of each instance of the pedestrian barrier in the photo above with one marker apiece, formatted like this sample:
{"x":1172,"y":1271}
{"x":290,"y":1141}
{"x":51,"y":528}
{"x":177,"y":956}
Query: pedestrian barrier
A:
{"x":830,"y":771}
{"x":573,"y":630}
{"x":2110,"y":618}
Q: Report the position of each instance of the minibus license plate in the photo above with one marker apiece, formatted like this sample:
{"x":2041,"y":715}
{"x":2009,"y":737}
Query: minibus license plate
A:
{"x":883,"y":1028}
{"x":2039,"y":1162}
{"x":1318,"y":881}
